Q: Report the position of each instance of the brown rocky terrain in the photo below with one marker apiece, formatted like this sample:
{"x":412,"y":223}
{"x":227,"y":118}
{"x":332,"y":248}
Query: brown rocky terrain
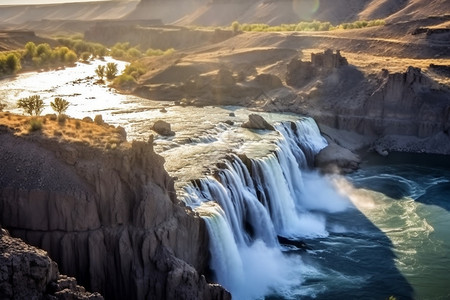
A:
{"x":107,"y":215}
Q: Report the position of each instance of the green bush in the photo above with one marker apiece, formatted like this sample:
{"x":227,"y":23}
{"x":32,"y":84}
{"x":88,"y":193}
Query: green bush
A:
{"x":85,"y":56}
{"x":124,"y":81}
{"x":154,"y":52}
{"x":32,"y":105}
{"x":70,"y":57}
{"x":100,"y":71}
{"x":111,"y":71}
{"x":30,"y":50}
{"x":134,"y":53}
{"x":235,"y":27}
{"x":35,"y":125}
{"x":60,"y":105}
{"x":9,"y":63}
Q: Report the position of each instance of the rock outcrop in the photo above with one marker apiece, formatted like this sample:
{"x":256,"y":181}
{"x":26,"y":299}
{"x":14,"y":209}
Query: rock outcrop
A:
{"x":163,"y":128}
{"x":301,"y":72}
{"x":336,"y":159}
{"x":408,"y":103}
{"x":108,"y":217}
{"x":28,"y":273}
{"x":257,"y":122}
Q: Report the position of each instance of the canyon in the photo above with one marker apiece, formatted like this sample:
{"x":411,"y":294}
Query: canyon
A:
{"x":111,"y":216}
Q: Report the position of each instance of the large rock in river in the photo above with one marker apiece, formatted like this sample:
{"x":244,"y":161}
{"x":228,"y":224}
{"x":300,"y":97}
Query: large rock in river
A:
{"x":257,"y":122}
{"x":336,"y":159}
{"x":163,"y":128}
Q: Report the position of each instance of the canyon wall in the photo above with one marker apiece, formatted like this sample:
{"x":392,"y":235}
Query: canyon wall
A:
{"x":28,"y":273}
{"x":108,"y":217}
{"x":402,"y":111}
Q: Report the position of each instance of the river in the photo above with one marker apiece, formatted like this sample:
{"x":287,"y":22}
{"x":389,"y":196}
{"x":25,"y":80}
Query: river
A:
{"x":379,"y":232}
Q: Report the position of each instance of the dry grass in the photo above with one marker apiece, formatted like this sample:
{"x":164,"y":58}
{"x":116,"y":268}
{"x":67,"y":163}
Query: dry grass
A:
{"x":72,"y":130}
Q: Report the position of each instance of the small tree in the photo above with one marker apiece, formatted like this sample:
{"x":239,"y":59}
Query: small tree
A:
{"x":100,"y":71}
{"x":13,"y":63}
{"x":30,"y":50}
{"x":33,"y":105}
{"x":59,"y":105}
{"x":70,"y":57}
{"x":111,"y":70}
{"x":236,"y":27}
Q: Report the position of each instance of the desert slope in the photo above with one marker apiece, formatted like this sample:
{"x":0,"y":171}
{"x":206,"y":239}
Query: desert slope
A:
{"x":18,"y":14}
{"x":275,"y":12}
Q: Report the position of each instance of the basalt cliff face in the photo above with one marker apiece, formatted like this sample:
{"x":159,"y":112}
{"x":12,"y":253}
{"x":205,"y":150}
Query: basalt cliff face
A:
{"x":28,"y":273}
{"x":108,"y":217}
{"x":401,"y":111}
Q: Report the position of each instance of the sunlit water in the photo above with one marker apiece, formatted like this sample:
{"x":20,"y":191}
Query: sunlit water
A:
{"x":392,"y":236}
{"x":202,"y":136}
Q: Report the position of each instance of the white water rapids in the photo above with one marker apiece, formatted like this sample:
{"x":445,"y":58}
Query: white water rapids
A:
{"x":246,"y":208}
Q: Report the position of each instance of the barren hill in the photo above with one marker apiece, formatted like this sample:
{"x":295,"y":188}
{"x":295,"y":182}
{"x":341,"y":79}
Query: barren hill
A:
{"x":18,"y":14}
{"x":223,"y":12}
{"x":275,"y":12}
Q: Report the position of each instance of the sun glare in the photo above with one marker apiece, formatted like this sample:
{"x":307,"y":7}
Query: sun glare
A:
{"x":305,"y":8}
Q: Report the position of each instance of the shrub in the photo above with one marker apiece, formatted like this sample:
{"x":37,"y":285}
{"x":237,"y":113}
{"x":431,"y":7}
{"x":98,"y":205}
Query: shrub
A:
{"x":13,"y":62}
{"x":235,"y":27}
{"x":9,"y":63}
{"x":85,"y":56}
{"x":59,"y":105}
{"x":111,"y":70}
{"x":124,"y":81}
{"x":2,"y":106}
{"x":62,"y":119}
{"x":134,"y":53}
{"x":70,"y":57}
{"x":33,"y":105}
{"x":77,"y":124}
{"x":100,"y":71}
{"x":35,"y":125}
{"x":30,"y":50}
{"x":98,"y":120}
{"x":154,"y":52}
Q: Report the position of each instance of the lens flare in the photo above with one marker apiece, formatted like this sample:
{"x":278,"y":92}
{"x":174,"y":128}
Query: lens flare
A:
{"x":306,"y":9}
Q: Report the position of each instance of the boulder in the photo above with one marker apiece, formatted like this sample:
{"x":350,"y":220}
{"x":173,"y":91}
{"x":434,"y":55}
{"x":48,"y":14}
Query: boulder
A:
{"x":163,"y":128}
{"x":336,"y":159}
{"x":257,"y":122}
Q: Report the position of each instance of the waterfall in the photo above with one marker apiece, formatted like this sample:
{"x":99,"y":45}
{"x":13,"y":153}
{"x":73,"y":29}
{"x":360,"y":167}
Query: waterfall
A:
{"x":247,"y":205}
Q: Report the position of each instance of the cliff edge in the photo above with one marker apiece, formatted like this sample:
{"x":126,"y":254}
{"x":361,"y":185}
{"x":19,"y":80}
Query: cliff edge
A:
{"x":28,"y":273}
{"x":107,"y":215}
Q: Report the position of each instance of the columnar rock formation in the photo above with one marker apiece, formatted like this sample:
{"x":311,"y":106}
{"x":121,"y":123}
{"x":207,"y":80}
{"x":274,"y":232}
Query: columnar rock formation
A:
{"x":108,"y":217}
{"x":301,"y":72}
{"x":28,"y":273}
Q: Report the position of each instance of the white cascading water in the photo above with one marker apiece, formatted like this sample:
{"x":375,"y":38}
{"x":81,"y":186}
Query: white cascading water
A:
{"x":248,"y":206}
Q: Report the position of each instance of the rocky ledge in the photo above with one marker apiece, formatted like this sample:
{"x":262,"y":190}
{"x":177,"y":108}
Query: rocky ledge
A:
{"x":107,"y":216}
{"x":28,"y":273}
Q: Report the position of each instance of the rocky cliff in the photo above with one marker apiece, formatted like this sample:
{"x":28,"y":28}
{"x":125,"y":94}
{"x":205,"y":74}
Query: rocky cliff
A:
{"x":28,"y":273}
{"x":108,"y":217}
{"x":401,"y":111}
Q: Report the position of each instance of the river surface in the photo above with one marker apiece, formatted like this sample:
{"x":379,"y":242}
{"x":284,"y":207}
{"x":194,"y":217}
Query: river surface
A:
{"x":382,"y":231}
